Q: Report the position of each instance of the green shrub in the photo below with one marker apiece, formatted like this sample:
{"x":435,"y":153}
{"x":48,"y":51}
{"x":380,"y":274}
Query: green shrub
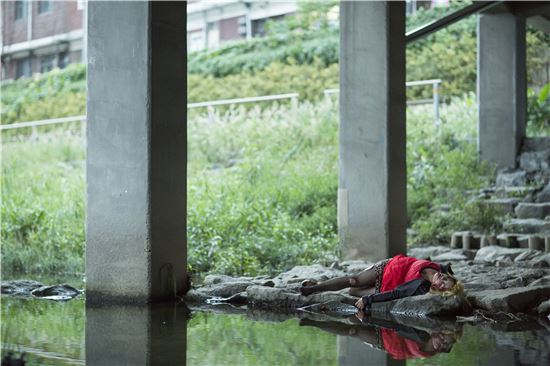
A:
{"x":538,"y":113}
{"x":307,"y":80}
{"x":442,"y":166}
{"x":59,"y":93}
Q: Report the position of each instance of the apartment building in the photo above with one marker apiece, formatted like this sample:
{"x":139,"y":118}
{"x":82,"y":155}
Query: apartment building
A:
{"x":211,"y":23}
{"x":38,"y":36}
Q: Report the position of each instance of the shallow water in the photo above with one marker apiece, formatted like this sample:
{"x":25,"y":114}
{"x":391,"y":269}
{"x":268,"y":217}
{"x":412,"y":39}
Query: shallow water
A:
{"x":68,"y":333}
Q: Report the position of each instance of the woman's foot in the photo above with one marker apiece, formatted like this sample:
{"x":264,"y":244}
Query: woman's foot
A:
{"x":306,"y":283}
{"x":307,"y":287}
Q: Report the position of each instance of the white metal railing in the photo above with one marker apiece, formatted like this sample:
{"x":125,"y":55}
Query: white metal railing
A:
{"x":43,"y":122}
{"x":292,"y":96}
{"x":435,"y":92}
{"x":211,"y":104}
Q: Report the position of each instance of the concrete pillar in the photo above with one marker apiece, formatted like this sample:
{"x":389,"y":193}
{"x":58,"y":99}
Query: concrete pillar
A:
{"x":372,"y":183}
{"x":136,"y":335}
{"x":136,"y":153}
{"x":501,"y":86}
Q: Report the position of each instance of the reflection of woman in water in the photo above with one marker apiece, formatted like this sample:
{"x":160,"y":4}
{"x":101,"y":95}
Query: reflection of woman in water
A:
{"x":391,"y":279}
{"x":401,"y":342}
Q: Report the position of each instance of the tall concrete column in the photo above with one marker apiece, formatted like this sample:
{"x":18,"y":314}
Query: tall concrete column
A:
{"x":501,"y":86}
{"x":136,"y":154}
{"x":136,"y":335}
{"x":372,"y":183}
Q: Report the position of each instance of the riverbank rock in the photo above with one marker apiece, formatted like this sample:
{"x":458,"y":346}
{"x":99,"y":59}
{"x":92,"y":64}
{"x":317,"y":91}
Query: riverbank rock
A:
{"x":217,"y":290}
{"x":277,"y":298}
{"x":315,"y":272}
{"x":19,"y":287}
{"x":423,"y":306}
{"x":510,"y":300}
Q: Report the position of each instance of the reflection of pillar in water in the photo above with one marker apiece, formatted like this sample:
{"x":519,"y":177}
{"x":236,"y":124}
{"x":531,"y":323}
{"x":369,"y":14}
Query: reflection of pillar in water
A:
{"x":136,"y":335}
{"x":352,"y":351}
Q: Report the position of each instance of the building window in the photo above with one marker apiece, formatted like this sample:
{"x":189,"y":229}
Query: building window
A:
{"x":63,"y":60}
{"x":23,"y":68}
{"x":242,"y":26}
{"x":44,"y":6}
{"x":20,"y":9}
{"x":46,"y":63}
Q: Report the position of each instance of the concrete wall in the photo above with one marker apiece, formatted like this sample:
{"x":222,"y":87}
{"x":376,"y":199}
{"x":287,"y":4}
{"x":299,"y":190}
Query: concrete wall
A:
{"x":136,"y":162}
{"x":372,"y":181}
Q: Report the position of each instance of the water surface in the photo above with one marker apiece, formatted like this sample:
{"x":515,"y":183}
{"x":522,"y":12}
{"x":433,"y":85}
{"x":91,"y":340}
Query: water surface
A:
{"x":66,"y":333}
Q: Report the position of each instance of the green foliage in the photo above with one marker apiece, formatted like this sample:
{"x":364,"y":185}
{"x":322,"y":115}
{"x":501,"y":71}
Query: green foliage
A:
{"x":442,"y":165}
{"x":449,"y":54}
{"x":538,"y":114}
{"x":262,"y":189}
{"x":59,"y":93}
{"x":277,"y":78}
{"x":257,"y":54}
{"x":43,"y":206}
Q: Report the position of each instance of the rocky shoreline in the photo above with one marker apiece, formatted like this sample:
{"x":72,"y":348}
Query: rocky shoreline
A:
{"x":496,"y":279}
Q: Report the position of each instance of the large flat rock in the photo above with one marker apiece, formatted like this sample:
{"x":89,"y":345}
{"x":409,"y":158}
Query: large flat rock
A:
{"x":510,"y":300}
{"x":428,"y":305}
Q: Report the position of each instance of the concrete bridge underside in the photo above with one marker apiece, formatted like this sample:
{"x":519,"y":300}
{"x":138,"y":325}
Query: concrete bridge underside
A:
{"x":136,"y":162}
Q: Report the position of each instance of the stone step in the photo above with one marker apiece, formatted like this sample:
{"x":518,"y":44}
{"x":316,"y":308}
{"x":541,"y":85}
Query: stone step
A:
{"x":511,"y":178}
{"x":528,"y":226}
{"x":534,"y":161}
{"x":503,"y":205}
{"x":532,"y":210}
{"x":517,"y":192}
{"x":544,"y":195}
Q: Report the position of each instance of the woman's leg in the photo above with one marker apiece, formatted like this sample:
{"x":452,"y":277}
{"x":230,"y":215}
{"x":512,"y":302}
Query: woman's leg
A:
{"x":364,"y":279}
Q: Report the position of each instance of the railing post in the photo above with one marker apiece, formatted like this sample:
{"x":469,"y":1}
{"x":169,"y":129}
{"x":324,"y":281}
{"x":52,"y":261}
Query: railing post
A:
{"x":34,"y":134}
{"x":210,"y":110}
{"x":436,"y":102}
{"x":294,"y":106}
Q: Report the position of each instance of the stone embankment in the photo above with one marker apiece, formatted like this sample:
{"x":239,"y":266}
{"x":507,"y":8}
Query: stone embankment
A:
{"x":496,"y":279}
{"x":522,"y":196}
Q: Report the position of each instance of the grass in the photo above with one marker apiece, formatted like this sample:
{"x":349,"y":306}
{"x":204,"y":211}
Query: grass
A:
{"x":43,"y":205}
{"x":261,"y":189}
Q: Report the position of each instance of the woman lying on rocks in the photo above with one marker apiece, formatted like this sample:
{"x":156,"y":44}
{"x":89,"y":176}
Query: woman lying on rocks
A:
{"x":391,"y":279}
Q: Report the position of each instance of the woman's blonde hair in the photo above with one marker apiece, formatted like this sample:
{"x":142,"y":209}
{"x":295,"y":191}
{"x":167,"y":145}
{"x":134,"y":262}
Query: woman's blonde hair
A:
{"x":456,"y":290}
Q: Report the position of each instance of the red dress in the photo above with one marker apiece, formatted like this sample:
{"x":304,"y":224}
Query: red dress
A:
{"x":401,"y":269}
{"x":400,"y":347}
